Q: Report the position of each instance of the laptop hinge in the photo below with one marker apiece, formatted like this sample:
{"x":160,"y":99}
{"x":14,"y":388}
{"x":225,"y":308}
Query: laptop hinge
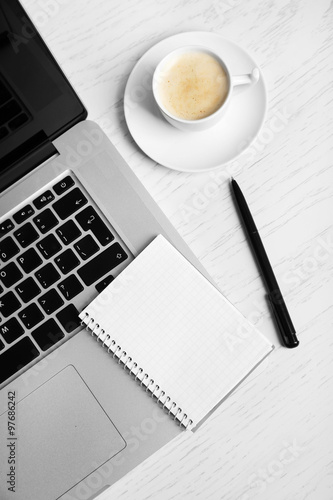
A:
{"x":15,"y":165}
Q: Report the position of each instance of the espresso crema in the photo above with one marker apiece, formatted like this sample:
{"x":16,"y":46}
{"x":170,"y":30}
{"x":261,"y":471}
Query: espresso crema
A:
{"x":193,"y":85}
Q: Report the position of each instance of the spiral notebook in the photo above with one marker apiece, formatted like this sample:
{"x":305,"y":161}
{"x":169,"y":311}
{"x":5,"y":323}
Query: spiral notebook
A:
{"x":175,"y":333}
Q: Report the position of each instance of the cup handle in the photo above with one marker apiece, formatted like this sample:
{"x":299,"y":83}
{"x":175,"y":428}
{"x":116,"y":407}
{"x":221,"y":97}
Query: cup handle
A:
{"x":249,"y":79}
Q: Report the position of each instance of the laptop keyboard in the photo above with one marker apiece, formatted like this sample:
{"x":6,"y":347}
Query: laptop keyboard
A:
{"x":56,"y":253}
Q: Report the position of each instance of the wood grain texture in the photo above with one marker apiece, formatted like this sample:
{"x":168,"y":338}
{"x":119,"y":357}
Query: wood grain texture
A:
{"x":273,"y":437}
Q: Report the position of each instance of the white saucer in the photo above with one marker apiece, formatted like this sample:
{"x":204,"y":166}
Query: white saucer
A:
{"x":194,"y":151}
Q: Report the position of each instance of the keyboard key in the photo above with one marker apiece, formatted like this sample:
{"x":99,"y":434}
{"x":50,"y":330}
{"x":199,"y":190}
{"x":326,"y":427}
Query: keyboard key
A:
{"x":67,"y":261}
{"x":3,"y":133}
{"x":29,"y":260}
{"x":11,"y":330}
{"x":2,"y":346}
{"x":5,"y":95}
{"x":16,"y":357}
{"x":70,"y":287}
{"x":6,"y":226}
{"x":102,"y":264}
{"x":23,"y":214}
{"x":10,"y":274}
{"x":51,"y":301}
{"x":70,"y":203}
{"x":9,"y":110}
{"x":30,"y":316}
{"x":48,"y":334}
{"x":68,"y":232}
{"x":45,"y":221}
{"x":8,"y":249}
{"x":47,"y":275}
{"x":104,"y":283}
{"x":27,"y":290}
{"x":63,"y":185}
{"x":26,"y":235}
{"x":43,"y":199}
{"x":69,"y":318}
{"x":1,"y":289}
{"x":89,"y":220}
{"x":86,"y":247}
{"x":9,"y":304}
{"x":49,"y":246}
{"x":18,"y":121}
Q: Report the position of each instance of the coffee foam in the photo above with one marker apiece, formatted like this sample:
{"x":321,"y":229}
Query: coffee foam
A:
{"x":193,"y":85}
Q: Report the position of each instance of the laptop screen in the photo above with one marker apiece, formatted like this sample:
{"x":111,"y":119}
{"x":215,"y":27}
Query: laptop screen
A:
{"x":37,"y":103}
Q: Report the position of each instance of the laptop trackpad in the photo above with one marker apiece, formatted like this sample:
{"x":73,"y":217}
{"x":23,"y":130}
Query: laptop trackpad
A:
{"x":64,"y":435}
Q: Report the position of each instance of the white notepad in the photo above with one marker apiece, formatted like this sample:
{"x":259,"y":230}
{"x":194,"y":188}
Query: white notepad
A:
{"x":175,"y":332}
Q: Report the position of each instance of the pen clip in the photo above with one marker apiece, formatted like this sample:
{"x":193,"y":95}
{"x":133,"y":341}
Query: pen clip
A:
{"x":283,"y":319}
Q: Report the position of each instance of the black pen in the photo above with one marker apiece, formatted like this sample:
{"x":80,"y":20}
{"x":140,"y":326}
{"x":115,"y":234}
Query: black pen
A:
{"x":286,"y":327}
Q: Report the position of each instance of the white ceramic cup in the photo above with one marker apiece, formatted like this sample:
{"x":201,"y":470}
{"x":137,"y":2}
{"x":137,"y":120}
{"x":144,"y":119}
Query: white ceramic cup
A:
{"x":246,"y":80}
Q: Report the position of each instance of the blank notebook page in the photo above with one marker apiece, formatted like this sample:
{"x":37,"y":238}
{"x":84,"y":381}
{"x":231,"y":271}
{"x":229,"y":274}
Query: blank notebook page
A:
{"x":178,"y":328}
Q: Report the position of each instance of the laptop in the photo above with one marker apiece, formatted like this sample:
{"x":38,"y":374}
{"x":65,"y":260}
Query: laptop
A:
{"x":72,"y":216}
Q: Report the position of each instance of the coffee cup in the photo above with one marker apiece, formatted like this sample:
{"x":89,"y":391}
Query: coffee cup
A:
{"x":193,"y":86}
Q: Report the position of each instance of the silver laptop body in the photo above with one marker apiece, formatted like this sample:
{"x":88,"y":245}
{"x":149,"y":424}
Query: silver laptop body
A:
{"x":72,"y":420}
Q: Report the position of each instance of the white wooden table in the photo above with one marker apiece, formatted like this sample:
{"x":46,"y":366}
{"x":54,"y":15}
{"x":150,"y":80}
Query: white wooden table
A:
{"x":273,"y":438}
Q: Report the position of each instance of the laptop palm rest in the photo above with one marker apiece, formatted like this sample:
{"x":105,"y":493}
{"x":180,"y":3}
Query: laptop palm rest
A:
{"x":46,"y":445}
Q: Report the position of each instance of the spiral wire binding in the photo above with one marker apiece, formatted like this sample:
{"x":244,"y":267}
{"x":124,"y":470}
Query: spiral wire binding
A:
{"x":140,"y":376}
